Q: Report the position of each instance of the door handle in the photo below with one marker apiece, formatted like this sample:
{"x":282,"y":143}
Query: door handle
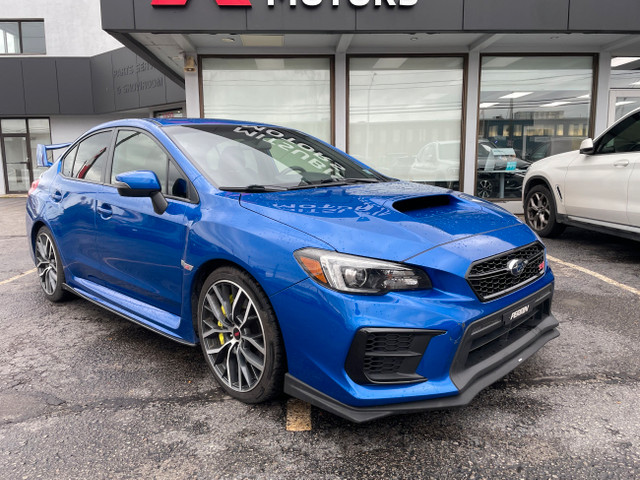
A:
{"x":621,"y":163}
{"x":105,"y":210}
{"x":56,"y":196}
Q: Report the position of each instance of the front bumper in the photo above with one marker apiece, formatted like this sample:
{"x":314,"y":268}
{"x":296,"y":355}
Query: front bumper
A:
{"x":489,"y":348}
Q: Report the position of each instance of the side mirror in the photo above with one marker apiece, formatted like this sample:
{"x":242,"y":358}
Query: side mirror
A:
{"x":142,"y":183}
{"x":586,"y":147}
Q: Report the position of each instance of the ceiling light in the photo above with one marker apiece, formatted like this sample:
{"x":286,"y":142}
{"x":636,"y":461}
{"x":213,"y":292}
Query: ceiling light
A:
{"x":517,"y":95}
{"x":588,"y":95}
{"x":488,"y":104}
{"x":627,"y":102}
{"x":554,"y":104}
{"x":228,"y":39}
{"x":618,"y":61}
{"x":190,"y":64}
{"x":636,"y":83}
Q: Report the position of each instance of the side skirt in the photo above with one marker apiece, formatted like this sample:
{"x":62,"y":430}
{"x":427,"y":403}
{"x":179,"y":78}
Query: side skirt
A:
{"x":113,"y":309}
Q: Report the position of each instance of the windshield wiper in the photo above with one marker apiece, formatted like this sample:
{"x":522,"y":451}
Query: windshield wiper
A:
{"x":335,"y":182}
{"x":254,"y":189}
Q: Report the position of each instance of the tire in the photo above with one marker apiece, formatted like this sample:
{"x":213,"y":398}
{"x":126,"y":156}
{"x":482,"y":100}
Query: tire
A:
{"x":49,"y":266}
{"x":240,"y":337}
{"x":540,"y":212}
{"x":485,"y":188}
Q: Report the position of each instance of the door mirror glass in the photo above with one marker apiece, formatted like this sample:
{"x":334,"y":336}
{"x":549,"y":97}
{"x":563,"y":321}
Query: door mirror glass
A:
{"x":586,"y":147}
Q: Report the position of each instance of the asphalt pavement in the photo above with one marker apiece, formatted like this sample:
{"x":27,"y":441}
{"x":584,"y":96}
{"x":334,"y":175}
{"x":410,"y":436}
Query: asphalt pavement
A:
{"x":85,"y":394}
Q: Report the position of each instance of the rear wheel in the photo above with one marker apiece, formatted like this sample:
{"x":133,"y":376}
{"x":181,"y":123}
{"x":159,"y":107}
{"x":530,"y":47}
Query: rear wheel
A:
{"x":240,"y":337}
{"x":49,"y":266}
{"x":540,"y":212}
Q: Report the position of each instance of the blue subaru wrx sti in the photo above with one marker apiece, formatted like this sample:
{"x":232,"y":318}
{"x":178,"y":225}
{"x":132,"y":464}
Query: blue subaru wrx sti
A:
{"x":293,"y":265}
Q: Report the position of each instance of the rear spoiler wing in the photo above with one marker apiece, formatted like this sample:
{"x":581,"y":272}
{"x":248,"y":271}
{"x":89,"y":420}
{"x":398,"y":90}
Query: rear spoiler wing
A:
{"x":42,"y":157}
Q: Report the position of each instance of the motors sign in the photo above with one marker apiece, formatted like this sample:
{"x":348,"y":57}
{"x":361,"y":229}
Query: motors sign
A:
{"x":294,"y":3}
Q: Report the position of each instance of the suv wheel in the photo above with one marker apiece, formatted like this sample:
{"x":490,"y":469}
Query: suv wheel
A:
{"x":540,"y":212}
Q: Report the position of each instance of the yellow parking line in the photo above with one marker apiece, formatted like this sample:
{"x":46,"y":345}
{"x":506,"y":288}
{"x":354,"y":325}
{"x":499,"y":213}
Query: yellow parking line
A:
{"x":597,"y":275}
{"x":298,"y":416}
{"x":18,"y":276}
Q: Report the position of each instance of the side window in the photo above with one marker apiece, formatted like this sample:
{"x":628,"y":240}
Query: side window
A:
{"x":67,"y":162}
{"x":624,"y":137}
{"x":137,"y":151}
{"x":91,"y":157}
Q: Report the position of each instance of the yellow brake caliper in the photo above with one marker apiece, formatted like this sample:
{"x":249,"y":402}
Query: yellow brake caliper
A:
{"x":221,"y":335}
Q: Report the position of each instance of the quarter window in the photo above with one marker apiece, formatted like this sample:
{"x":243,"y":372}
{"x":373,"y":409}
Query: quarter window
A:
{"x":91,"y":157}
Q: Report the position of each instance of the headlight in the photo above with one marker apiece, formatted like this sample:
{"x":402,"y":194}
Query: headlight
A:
{"x":348,"y":273}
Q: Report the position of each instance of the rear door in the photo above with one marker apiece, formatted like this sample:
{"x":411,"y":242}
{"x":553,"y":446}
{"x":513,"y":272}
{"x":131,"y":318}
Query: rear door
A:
{"x":72,"y":215}
{"x":141,"y":250}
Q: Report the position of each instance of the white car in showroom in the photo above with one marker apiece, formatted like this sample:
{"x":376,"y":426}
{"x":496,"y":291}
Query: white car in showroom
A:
{"x":596,"y":187}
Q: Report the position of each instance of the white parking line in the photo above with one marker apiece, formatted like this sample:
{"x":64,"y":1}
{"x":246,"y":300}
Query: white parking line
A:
{"x":18,"y":276}
{"x":597,"y":275}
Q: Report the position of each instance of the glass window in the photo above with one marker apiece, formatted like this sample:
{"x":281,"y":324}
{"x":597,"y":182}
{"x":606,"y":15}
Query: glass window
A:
{"x":624,"y":137}
{"x":137,"y":151}
{"x":67,"y":162}
{"x":531,"y":107}
{"x":292,"y":92}
{"x":92,"y":157}
{"x":9,"y":37}
{"x":405,"y":116}
{"x":39,"y":133}
{"x":178,"y":184}
{"x":22,"y":37}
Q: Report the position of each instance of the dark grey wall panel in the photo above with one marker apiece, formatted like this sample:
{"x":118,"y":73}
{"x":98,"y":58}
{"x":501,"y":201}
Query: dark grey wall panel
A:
{"x":117,"y":14}
{"x":125,"y":79}
{"x":174,"y":92}
{"x":516,"y":15}
{"x":605,"y":15}
{"x":40,"y":86}
{"x":151,"y":84}
{"x":196,"y":15}
{"x":283,"y":18}
{"x":102,"y":81}
{"x":431,"y":15}
{"x":74,"y":86}
{"x":11,"y":87}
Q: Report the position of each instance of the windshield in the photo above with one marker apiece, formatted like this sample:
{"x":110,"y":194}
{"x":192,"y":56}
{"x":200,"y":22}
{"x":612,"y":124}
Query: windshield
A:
{"x":238,"y":157}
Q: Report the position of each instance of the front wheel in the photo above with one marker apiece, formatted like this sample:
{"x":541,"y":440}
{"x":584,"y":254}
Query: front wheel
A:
{"x":540,"y":212}
{"x":240,"y":337}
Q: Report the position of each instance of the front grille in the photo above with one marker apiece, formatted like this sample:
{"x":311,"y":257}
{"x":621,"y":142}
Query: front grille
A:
{"x":386,"y":355}
{"x":488,"y":341}
{"x":491,"y":278}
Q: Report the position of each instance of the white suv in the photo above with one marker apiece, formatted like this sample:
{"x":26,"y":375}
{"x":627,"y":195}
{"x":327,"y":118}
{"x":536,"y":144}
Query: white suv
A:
{"x":597,"y":187}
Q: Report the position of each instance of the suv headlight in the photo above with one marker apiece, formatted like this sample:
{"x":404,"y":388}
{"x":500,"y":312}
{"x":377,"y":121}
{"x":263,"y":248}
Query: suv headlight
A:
{"x":352,"y":274}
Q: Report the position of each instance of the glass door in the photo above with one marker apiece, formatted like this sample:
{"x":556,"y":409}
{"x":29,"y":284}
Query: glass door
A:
{"x":17,"y":171}
{"x":621,"y":102}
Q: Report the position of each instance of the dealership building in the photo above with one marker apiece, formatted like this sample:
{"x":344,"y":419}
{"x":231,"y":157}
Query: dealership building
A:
{"x":459,"y":93}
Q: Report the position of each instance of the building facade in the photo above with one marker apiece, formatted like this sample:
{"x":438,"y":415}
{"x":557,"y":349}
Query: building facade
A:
{"x":61,"y":74}
{"x":459,"y":93}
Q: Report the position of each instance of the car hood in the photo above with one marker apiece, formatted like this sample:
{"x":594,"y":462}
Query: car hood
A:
{"x":394,"y":221}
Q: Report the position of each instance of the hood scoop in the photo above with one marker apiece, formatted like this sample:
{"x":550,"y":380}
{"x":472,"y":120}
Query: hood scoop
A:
{"x":412,"y":205}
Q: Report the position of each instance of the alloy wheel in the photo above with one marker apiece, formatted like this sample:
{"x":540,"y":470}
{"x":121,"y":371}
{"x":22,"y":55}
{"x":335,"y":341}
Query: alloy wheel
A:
{"x":538,"y":211}
{"x":233,"y":336}
{"x":47,"y":263}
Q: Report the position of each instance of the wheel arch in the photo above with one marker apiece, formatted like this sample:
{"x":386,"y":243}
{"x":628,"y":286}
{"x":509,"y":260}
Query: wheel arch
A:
{"x":534,"y":182}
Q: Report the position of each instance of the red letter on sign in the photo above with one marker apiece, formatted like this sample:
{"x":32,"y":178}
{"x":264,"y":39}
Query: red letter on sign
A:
{"x":182,"y":3}
{"x":177,"y":3}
